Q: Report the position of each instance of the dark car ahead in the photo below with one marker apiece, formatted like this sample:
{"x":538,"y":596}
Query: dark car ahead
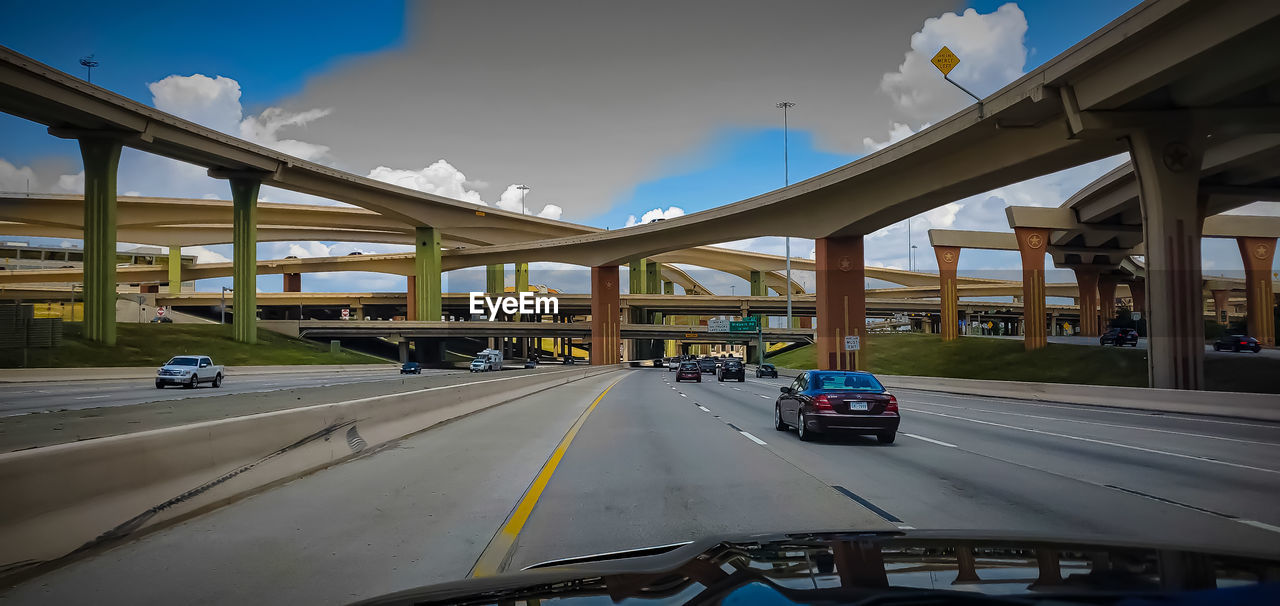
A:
{"x":766,"y":370}
{"x":732,"y":369}
{"x":708,"y":365}
{"x":411,"y":368}
{"x":828,"y":401}
{"x":689,"y":370}
{"x":1237,"y":343}
{"x":1119,"y":337}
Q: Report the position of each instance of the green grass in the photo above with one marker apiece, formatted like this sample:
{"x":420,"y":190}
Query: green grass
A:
{"x":1005,"y":359}
{"x":153,"y":344}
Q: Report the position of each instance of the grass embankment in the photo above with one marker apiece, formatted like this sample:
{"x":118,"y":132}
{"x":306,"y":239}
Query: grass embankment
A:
{"x":1006,"y":360}
{"x":153,"y":344}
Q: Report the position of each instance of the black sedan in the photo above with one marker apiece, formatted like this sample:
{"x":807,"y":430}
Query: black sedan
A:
{"x":707,"y":365}
{"x":827,"y":401}
{"x":766,"y":370}
{"x":1237,"y":343}
{"x":1119,"y":337}
{"x":411,"y":368}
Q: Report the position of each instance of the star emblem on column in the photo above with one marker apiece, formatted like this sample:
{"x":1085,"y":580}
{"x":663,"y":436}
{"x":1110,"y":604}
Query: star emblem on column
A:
{"x":949,"y":256}
{"x":1260,"y":251}
{"x":1035,"y":241}
{"x":844,"y":264}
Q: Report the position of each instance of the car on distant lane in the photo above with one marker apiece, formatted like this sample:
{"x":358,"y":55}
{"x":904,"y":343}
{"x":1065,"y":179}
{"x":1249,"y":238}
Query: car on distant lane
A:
{"x":673,"y":364}
{"x":659,"y":363}
{"x":766,"y":370}
{"x":411,"y":368}
{"x":732,"y":369}
{"x":1237,"y":343}
{"x":827,"y":401}
{"x":707,"y":365}
{"x":189,"y":371}
{"x":1119,"y":337}
{"x":689,"y":370}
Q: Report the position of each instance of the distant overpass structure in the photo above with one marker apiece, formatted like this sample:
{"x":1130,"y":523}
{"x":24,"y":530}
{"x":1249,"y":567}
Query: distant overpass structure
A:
{"x":1174,"y":83}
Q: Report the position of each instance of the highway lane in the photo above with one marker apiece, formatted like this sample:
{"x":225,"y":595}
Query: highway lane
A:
{"x":25,"y":398}
{"x":656,"y":462}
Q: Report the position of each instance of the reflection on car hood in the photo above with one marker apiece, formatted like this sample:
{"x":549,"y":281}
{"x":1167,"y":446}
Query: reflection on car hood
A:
{"x":890,"y":567}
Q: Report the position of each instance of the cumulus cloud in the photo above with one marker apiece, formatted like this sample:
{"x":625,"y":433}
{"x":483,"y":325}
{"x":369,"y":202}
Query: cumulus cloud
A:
{"x":205,"y":255}
{"x":991,"y":52}
{"x":898,"y":132}
{"x":23,"y":179}
{"x":670,"y":212}
{"x":443,"y":179}
{"x":212,"y":102}
{"x":264,"y":129}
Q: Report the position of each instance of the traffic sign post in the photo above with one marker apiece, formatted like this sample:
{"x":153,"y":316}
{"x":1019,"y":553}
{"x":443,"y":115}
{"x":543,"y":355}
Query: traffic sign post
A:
{"x":853,"y":343}
{"x":746,"y":325}
{"x":346,"y":314}
{"x":717,"y":325}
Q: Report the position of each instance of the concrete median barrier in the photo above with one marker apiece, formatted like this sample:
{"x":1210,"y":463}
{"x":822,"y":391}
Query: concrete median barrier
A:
{"x":40,"y":375}
{"x":1254,"y":406}
{"x":67,"y":498}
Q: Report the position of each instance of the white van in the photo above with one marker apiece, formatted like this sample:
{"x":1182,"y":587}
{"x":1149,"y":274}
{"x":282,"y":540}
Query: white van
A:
{"x":489,"y":359}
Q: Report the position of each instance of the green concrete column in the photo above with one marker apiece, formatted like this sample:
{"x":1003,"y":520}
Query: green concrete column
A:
{"x":522,"y":281}
{"x":758,"y":288}
{"x":426,"y":268}
{"x":652,"y":277}
{"x":495,"y":279}
{"x":175,"y":270}
{"x":668,"y":288}
{"x":244,"y":262}
{"x":637,"y":277}
{"x":101,"y":159}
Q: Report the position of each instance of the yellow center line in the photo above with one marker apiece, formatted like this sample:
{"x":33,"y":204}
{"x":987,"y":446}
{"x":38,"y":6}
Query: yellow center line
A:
{"x":498,"y":552}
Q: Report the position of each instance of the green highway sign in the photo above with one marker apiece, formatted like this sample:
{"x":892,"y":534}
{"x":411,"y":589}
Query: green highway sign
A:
{"x":750,"y":325}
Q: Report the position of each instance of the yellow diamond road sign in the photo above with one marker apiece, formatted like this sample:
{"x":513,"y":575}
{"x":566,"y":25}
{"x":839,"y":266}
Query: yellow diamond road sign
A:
{"x":945,"y":60}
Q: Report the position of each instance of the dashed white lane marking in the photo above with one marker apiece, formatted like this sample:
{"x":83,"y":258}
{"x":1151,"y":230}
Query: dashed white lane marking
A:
{"x":905,"y":527}
{"x":93,"y":397}
{"x":763,"y":396}
{"x":753,"y":438}
{"x":1104,"y":442}
{"x":931,"y":440}
{"x":703,"y":408}
{"x":683,"y":396}
{"x":1100,"y":410}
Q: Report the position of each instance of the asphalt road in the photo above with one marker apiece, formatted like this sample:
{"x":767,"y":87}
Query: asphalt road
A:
{"x":656,"y":462}
{"x":25,"y":398}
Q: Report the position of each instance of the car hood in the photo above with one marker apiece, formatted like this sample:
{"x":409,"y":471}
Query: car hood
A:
{"x":903,"y":567}
{"x":176,"y":367}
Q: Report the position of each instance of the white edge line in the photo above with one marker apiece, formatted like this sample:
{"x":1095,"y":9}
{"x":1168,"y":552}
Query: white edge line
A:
{"x":1262,"y":525}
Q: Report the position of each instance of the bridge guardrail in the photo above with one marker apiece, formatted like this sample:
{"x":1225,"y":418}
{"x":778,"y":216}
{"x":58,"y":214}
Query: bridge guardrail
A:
{"x":65,"y":498}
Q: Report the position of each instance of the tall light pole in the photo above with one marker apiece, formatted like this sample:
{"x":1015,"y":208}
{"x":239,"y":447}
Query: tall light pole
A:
{"x":89,"y":64}
{"x":786,"y":180}
{"x":524,"y":189}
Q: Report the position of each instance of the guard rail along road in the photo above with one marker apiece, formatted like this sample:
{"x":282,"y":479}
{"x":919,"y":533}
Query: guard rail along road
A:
{"x":82,"y":496}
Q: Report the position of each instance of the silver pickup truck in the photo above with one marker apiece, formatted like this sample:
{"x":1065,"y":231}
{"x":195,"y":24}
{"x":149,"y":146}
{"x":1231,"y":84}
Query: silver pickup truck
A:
{"x":189,"y":371}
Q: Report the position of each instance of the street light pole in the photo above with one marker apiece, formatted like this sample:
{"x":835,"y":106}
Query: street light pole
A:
{"x":89,"y":64}
{"x":786,"y":180}
{"x":222,"y":304}
{"x":524,"y":189}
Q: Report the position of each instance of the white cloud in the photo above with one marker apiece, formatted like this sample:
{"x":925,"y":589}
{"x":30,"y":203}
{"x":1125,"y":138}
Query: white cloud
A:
{"x":212,"y":102}
{"x":898,"y":132}
{"x":264,"y":129}
{"x":14,"y":179}
{"x":991,"y":51}
{"x":72,"y":183}
{"x":204,"y":255}
{"x":671,"y":212}
{"x":441,"y":178}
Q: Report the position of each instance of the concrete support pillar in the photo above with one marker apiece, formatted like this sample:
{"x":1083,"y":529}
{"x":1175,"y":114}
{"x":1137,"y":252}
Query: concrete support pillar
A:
{"x":652,"y":277}
{"x":1106,"y":301}
{"x":1258,"y":254}
{"x":636,"y":277}
{"x":1087,"y":281}
{"x":148,"y":288}
{"x":1220,"y":305}
{"x":427,"y":285}
{"x":244,"y":271}
{"x":842,"y":302}
{"x":1138,"y":289}
{"x":1167,"y":164}
{"x":404,"y":351}
{"x":606,"y":329}
{"x":411,"y":299}
{"x":1031,"y":245}
{"x":292,"y":283}
{"x":522,"y":283}
{"x":758,"y":288}
{"x":101,"y":157}
{"x":668,"y":288}
{"x":948,"y":261}
{"x":495,"y":279}
{"x":175,"y":270}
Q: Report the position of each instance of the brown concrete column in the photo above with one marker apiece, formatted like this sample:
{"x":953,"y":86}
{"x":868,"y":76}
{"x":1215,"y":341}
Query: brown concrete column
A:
{"x":1167,"y":164}
{"x":1032,"y":242}
{"x":606,"y":329}
{"x":842,"y":302}
{"x":411,"y":310}
{"x":1220,"y":305}
{"x":1087,"y":282}
{"x":292,"y":283}
{"x":148,"y":288}
{"x":948,"y":260}
{"x":1258,"y":254}
{"x":1138,"y":290}
{"x":1106,"y":301}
